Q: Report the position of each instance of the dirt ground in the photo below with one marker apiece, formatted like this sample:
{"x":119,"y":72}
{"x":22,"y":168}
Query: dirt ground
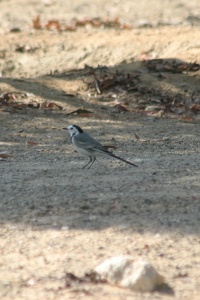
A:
{"x":57,"y":217}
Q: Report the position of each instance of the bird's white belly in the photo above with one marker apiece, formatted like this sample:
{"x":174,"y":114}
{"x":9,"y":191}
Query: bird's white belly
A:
{"x":89,"y":153}
{"x":84,"y":152}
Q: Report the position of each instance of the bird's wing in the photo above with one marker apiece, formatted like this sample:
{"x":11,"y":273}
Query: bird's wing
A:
{"x":84,"y":140}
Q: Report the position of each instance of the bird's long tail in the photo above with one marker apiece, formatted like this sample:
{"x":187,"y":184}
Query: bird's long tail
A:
{"x":128,"y":162}
{"x":105,"y":151}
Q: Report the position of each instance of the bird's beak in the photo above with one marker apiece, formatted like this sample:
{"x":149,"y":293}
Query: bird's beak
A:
{"x":65,"y":128}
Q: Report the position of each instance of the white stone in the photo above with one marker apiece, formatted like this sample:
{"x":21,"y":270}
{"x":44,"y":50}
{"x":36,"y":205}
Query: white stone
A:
{"x":125,"y":272}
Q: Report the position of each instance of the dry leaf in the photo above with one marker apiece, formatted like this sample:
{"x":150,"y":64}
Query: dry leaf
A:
{"x":181,"y":275}
{"x":79,"y":111}
{"x":53,"y":24}
{"x":32,"y":143}
{"x":69,"y":28}
{"x":121,"y":81}
{"x":119,"y":108}
{"x":37,"y":23}
{"x":139,"y":139}
{"x":7,"y":98}
{"x":136,"y":136}
{"x":88,"y":277}
{"x":186,"y":119}
{"x":195,"y":107}
{"x":89,"y":115}
{"x":171,"y":65}
{"x":155,"y":113}
{"x":47,"y":104}
{"x":5,"y":155}
{"x":94,"y":22}
{"x":110,"y":147}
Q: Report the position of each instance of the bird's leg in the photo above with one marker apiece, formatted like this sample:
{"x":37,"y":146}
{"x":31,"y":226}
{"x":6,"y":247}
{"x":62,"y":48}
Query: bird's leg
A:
{"x":93,"y":158}
{"x":88,"y":163}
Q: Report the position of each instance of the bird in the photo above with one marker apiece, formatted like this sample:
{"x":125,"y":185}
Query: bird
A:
{"x":88,"y":146}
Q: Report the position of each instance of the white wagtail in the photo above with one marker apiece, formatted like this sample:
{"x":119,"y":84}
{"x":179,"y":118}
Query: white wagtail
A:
{"x":88,"y":146}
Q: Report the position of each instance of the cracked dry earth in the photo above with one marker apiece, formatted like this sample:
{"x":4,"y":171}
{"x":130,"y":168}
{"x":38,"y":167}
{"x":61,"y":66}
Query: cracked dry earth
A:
{"x":56,"y":217}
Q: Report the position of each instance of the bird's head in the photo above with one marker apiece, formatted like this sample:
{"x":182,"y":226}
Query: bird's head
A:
{"x":74,"y":130}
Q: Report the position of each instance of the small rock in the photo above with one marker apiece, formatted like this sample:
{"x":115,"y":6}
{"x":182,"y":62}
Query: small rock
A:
{"x":125,"y":272}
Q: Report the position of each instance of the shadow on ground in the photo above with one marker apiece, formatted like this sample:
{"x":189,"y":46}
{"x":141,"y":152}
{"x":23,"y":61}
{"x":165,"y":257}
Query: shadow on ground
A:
{"x":44,"y":186}
{"x":151,"y":85}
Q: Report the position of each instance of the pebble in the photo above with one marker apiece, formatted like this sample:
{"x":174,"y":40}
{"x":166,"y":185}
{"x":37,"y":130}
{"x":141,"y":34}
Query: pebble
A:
{"x":124,"y":271}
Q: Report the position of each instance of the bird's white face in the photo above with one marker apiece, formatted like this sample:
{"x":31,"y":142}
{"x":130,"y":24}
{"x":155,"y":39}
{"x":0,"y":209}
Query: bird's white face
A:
{"x":73,"y":130}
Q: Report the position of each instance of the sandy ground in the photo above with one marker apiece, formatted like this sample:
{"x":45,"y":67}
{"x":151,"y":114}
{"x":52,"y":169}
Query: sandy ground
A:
{"x":56,"y":217}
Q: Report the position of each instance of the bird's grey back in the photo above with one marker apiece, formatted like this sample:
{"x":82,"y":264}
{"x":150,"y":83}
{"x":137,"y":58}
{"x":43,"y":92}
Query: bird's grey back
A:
{"x":85,"y":140}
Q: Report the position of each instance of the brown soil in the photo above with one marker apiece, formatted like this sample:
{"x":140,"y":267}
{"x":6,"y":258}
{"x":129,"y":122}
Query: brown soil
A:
{"x":56,"y":217}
